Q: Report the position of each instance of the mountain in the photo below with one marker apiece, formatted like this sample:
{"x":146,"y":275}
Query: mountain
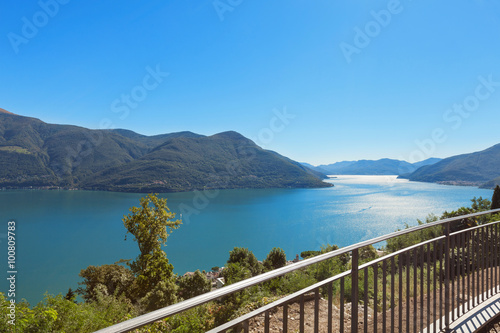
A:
{"x":5,"y":111}
{"x":224,"y":160}
{"x":428,"y":161}
{"x":491,"y":184}
{"x":34,"y":153}
{"x":479,"y":169}
{"x":307,"y":165}
{"x":383,"y":166}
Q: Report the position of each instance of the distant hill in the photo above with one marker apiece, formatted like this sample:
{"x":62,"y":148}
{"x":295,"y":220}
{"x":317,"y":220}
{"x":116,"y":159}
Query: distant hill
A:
{"x":310,"y":166}
{"x":34,"y":153}
{"x":383,"y":166}
{"x":480,"y":169}
{"x":491,"y":184}
{"x":5,"y":111}
{"x":428,"y":161}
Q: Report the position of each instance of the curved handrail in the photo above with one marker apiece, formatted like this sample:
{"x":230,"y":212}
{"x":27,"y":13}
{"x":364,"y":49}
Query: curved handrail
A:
{"x":325,"y":282}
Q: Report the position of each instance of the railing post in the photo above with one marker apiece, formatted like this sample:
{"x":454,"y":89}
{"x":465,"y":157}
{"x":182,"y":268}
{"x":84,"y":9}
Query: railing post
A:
{"x":447,"y":277}
{"x":354,"y":291}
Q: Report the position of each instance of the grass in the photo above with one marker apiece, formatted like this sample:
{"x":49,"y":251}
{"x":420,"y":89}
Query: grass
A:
{"x":15,"y":149}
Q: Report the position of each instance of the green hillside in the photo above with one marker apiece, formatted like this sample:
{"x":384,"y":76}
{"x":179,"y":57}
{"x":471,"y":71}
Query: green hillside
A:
{"x":34,"y":153}
{"x":479,"y":168}
{"x":225,"y":160}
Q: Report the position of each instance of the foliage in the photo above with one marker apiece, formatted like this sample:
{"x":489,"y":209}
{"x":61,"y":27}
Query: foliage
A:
{"x":275,"y":259}
{"x":194,"y":285}
{"x":302,"y":278}
{"x":235,"y":272}
{"x":106,"y":279}
{"x":308,"y":254}
{"x":477,"y":205}
{"x":401,"y":242}
{"x":194,"y":320}
{"x":246,"y":259}
{"x":329,"y":267}
{"x":162,"y":294}
{"x":495,"y":200}
{"x":112,"y":293}
{"x":57,"y":314}
{"x":71,"y":295}
{"x":367,"y":253}
{"x":293,"y":282}
{"x":151,"y":226}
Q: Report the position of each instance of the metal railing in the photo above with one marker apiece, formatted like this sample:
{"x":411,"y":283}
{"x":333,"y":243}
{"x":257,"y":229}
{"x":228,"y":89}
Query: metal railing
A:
{"x":424,"y":287}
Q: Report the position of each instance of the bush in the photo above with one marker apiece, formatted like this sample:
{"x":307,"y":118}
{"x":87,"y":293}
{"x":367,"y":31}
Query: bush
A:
{"x":194,"y":285}
{"x":57,"y":314}
{"x":275,"y":259}
{"x":109,"y":279}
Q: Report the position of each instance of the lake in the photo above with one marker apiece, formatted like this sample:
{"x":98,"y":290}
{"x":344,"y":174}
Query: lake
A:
{"x":61,"y":232}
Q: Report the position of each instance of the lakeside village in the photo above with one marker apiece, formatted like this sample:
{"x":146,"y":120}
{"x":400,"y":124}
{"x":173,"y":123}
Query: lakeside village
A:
{"x":215,"y":276}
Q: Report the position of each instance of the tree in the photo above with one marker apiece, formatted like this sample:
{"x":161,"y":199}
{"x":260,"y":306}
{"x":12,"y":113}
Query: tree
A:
{"x":106,"y":279}
{"x":246,"y":259}
{"x":478,"y":205}
{"x":70,"y":295}
{"x":151,"y":226}
{"x":495,"y":200}
{"x":328,"y":268}
{"x":194,"y":285}
{"x":309,"y":254}
{"x":275,"y":259}
{"x":235,"y":272}
{"x":367,"y":253}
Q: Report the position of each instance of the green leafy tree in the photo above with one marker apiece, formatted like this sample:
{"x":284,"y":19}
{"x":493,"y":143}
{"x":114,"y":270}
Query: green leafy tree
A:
{"x":246,"y":259}
{"x":309,"y":254}
{"x":495,"y":200}
{"x":329,"y":267}
{"x":478,"y":205}
{"x":235,"y":272}
{"x":151,"y":224}
{"x":275,"y":259}
{"x":367,"y":253}
{"x":106,"y":279}
{"x":400,"y":242}
{"x":163,"y":294}
{"x":70,"y":295}
{"x":57,"y":314}
{"x":194,"y":285}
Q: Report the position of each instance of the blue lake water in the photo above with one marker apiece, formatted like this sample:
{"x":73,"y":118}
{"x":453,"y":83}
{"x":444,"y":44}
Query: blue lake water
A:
{"x":61,"y":232}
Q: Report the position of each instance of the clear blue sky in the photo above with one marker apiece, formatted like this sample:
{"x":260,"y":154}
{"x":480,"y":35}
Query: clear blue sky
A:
{"x":362,"y":79}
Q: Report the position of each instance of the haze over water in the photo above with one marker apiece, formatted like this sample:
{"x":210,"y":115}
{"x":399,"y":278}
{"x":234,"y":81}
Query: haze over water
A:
{"x":61,"y":232}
